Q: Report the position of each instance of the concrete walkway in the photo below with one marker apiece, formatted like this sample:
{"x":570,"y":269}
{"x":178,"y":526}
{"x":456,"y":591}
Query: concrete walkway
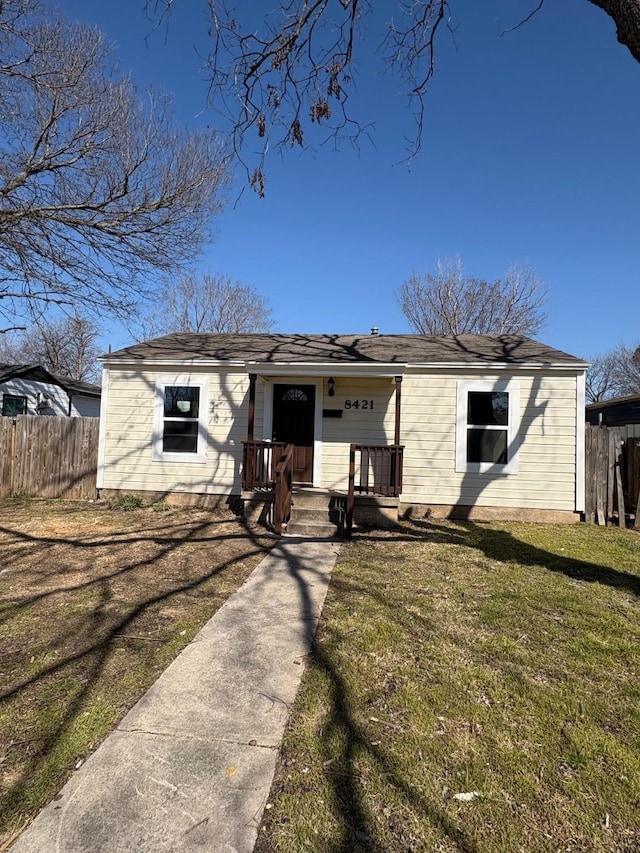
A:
{"x":190,"y":766}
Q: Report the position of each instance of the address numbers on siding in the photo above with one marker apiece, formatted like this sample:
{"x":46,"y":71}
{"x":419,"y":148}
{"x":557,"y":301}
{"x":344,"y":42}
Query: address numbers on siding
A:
{"x":358,"y":404}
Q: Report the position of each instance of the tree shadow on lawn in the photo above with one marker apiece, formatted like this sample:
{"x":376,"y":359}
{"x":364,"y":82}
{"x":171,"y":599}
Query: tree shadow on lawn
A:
{"x":172,"y":539}
{"x":84,"y":640}
{"x":357,"y":827}
{"x":504,"y":546}
{"x":356,"y":830}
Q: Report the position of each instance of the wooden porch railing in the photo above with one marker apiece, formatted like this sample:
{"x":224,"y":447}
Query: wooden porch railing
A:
{"x":267,"y":466}
{"x":374,"y":469}
{"x":282,"y":499}
{"x":259,"y":461}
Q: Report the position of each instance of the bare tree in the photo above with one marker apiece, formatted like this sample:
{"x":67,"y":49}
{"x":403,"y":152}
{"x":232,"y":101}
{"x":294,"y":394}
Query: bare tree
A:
{"x":275,"y":76}
{"x":601,"y":383}
{"x":451,"y":303}
{"x":615,"y":373}
{"x":67,"y":347}
{"x":98,"y":186}
{"x":205,"y":304}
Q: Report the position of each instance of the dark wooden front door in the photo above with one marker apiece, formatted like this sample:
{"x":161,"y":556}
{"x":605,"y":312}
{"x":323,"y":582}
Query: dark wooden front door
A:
{"x":293,"y":420}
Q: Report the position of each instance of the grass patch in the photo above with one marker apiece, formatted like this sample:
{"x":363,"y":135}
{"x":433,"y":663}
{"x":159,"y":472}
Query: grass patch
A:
{"x":93,"y":607}
{"x":127,"y":502}
{"x":19,"y":499}
{"x":498,"y":661}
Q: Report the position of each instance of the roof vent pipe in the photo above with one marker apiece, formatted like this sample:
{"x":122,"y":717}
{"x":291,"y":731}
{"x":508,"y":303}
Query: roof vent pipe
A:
{"x":374,"y":330}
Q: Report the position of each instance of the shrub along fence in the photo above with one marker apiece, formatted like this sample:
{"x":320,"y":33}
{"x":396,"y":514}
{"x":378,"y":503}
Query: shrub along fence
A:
{"x":612,"y":469}
{"x":48,"y":457}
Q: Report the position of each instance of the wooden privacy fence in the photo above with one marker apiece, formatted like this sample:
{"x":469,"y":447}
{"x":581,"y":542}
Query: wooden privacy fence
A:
{"x":612,"y":471}
{"x":48,"y":457}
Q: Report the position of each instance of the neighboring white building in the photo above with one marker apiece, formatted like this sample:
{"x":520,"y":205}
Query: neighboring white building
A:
{"x":484,"y":426}
{"x":28,"y":389}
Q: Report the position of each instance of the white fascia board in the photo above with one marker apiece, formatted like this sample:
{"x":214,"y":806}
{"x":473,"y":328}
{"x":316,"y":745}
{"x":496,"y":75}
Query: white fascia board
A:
{"x":323,"y":369}
{"x":302,"y":368}
{"x":182,"y":363}
{"x":387,"y":369}
{"x":496,"y":365}
{"x":280,"y":368}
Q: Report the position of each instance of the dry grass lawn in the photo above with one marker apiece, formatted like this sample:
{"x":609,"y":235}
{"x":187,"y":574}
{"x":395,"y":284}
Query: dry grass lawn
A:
{"x":94,"y":604}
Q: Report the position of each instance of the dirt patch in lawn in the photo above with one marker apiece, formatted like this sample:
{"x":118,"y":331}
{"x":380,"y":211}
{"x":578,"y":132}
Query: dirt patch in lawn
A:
{"x":94,"y":604}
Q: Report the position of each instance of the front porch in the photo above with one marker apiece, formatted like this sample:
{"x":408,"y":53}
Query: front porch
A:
{"x":271,"y":498}
{"x":301,"y":421}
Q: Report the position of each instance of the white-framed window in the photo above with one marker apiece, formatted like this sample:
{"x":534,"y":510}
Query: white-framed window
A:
{"x":487,"y":421}
{"x":180,"y":429}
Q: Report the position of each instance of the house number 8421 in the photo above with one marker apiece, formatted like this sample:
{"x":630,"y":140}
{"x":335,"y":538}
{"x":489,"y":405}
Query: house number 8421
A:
{"x":358,"y":404}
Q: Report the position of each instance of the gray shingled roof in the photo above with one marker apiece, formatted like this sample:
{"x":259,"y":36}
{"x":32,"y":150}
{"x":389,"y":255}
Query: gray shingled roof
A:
{"x":77,"y":386}
{"x":614,"y":401}
{"x":343,"y":349}
{"x":38,"y":373}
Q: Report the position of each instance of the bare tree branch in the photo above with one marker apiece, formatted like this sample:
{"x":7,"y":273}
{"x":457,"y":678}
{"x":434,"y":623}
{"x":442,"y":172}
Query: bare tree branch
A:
{"x":98,"y":187}
{"x":524,"y":20}
{"x":276,"y":78}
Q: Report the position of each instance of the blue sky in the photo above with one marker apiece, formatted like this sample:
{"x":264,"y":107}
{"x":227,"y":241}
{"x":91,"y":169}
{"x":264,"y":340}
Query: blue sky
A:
{"x":530,"y":157}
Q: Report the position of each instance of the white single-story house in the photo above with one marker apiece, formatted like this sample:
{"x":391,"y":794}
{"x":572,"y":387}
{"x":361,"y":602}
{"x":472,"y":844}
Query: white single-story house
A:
{"x":29,"y":389}
{"x":472,"y":425}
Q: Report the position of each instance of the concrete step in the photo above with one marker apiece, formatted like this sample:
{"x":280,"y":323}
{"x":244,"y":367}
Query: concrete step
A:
{"x":316,"y":513}
{"x":312,"y":521}
{"x":312,"y":513}
{"x":316,"y":497}
{"x":312,"y":529}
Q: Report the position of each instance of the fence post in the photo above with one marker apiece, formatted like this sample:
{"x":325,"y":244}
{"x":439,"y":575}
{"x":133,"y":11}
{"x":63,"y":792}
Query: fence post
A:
{"x":622,"y":518}
{"x":601,"y":476}
{"x":611,"y":475}
{"x":633,"y":477}
{"x":12,"y":463}
{"x":351,"y":492}
{"x":588,"y":475}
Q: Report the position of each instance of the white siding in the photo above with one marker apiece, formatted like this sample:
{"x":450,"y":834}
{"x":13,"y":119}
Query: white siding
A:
{"x":128,"y":435}
{"x":81,"y":406}
{"x":85,"y":407}
{"x":356,"y":425}
{"x":547,"y":434}
{"x":547,"y":429}
{"x":29,"y":388}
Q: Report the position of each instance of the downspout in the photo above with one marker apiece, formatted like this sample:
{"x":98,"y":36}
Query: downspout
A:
{"x":102,"y":438}
{"x":397,"y":454}
{"x":252,"y":406}
{"x":580,"y":449}
{"x":396,"y":437}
